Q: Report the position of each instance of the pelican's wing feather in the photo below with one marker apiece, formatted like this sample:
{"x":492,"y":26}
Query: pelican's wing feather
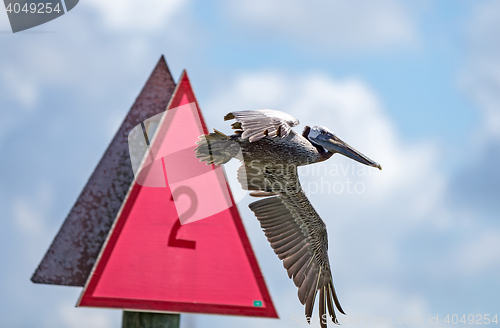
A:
{"x":299,"y":238}
{"x":256,"y":124}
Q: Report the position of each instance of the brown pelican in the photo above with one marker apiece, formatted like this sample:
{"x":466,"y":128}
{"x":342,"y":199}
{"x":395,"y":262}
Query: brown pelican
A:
{"x":271,"y":151}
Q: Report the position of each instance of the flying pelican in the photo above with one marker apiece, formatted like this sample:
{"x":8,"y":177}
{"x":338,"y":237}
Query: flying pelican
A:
{"x":271,"y":151}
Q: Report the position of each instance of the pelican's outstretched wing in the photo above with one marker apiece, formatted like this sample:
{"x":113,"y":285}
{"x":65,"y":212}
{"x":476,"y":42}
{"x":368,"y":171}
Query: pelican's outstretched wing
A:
{"x":256,"y":124}
{"x":296,"y":233}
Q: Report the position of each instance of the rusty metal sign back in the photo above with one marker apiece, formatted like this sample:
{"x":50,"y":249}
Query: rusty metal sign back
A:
{"x":76,"y":246}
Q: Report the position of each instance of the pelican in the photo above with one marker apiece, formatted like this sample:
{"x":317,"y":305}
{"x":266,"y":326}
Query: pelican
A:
{"x":270,"y":152}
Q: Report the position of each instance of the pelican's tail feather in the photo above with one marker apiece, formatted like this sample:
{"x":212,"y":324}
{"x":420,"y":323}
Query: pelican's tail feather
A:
{"x":216,"y":148}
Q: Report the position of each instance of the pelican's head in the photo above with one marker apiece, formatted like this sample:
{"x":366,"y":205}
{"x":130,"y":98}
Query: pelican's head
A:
{"x":325,"y":138}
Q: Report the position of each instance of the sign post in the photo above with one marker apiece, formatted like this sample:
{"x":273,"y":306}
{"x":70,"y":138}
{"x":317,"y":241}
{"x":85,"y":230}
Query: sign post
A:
{"x":150,"y":320}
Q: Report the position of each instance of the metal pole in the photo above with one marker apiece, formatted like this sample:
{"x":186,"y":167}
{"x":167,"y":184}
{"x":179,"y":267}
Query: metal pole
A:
{"x":150,"y":320}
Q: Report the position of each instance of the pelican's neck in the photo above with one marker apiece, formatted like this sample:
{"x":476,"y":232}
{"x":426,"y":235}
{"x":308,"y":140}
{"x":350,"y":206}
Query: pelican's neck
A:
{"x":325,"y":154}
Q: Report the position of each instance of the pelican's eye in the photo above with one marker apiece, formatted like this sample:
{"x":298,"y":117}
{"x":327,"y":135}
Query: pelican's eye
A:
{"x":323,"y":132}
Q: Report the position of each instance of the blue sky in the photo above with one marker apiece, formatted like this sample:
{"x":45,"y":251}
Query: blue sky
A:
{"x":413,"y":85}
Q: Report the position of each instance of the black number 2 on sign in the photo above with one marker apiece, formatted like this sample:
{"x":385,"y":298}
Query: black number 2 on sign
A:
{"x":25,"y":14}
{"x":173,"y":241}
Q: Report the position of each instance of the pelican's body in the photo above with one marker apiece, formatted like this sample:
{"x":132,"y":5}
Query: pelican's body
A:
{"x":293,"y":149}
{"x":270,"y":153}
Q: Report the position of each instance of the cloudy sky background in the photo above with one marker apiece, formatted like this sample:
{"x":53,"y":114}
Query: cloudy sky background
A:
{"x":415,"y":86}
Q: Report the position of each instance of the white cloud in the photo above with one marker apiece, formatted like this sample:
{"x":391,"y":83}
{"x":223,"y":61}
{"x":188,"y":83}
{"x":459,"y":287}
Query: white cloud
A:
{"x":481,"y":80}
{"x":479,"y":254}
{"x":133,"y":15}
{"x":23,"y":89}
{"x":481,"y":77}
{"x":482,"y":28}
{"x":352,"y":111}
{"x":340,"y":24}
{"x":88,"y":63}
{"x":71,"y":317}
{"x":4,"y":21}
{"x":30,"y":214}
{"x":476,"y":185}
{"x":383,"y":305}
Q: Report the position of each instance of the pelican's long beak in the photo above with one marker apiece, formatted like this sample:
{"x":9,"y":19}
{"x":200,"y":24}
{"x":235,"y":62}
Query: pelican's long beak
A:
{"x":335,"y":145}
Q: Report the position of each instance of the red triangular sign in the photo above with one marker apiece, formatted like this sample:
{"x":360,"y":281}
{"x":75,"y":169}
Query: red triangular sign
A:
{"x":178,"y":243}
